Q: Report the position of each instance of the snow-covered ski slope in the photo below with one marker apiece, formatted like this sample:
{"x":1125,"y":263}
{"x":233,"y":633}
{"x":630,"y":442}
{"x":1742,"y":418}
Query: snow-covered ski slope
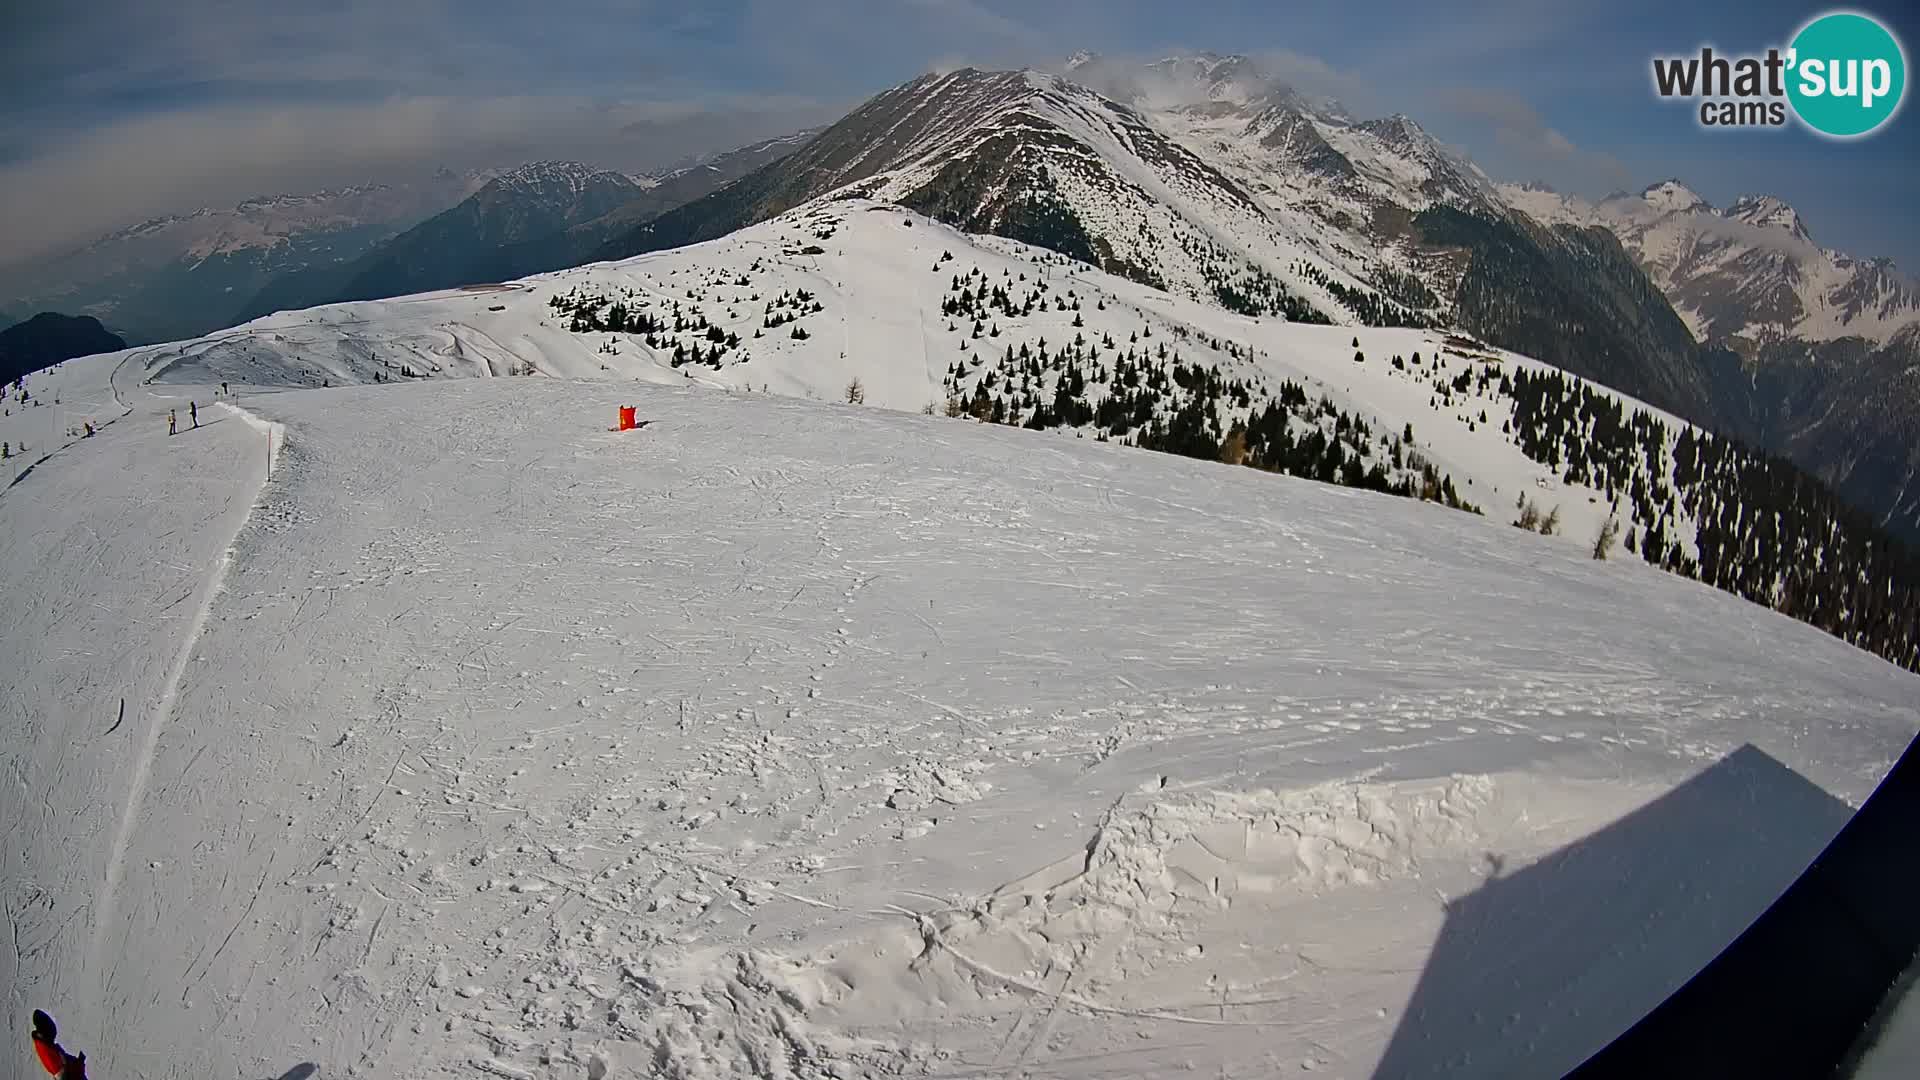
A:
{"x":795,"y":739}
{"x":879,"y":276}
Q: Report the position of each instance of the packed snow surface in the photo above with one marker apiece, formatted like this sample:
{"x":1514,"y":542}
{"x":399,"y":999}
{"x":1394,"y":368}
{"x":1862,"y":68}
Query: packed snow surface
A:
{"x":782,"y":738}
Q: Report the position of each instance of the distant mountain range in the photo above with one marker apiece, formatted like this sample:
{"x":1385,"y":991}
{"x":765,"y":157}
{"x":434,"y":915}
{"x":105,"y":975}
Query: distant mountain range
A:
{"x":1206,"y":177}
{"x":186,"y":274}
{"x":461,"y":245}
{"x":1201,"y":177}
{"x":542,"y":216}
{"x":1829,"y":344}
{"x":48,"y":338}
{"x":941,"y":247}
{"x":1749,"y":275}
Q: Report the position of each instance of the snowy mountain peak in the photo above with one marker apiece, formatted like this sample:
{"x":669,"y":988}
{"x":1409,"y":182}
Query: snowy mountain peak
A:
{"x":280,"y":203}
{"x":1041,"y":80}
{"x":1205,"y":66}
{"x":1550,"y":207}
{"x":566,"y":176}
{"x":1403,"y":134}
{"x":1749,"y":275}
{"x":1206,"y":82}
{"x":1674,"y":197}
{"x":1768,"y":212}
{"x":1397,"y":126}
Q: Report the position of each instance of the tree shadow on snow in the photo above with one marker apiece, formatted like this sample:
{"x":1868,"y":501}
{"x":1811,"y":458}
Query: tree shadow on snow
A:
{"x":306,"y":1070}
{"x":1538,"y":969}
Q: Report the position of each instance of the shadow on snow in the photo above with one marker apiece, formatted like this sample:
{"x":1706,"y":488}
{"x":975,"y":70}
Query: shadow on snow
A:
{"x":1538,"y":969}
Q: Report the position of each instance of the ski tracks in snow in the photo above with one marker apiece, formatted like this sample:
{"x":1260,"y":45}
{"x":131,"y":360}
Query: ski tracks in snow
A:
{"x":162,"y":714}
{"x":731,"y":748}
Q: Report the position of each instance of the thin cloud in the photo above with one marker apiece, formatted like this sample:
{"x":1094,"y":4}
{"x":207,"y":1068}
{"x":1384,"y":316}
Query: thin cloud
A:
{"x":1765,"y":237}
{"x":1131,"y":76}
{"x":216,"y":156}
{"x":218,"y":100}
{"x":1530,"y":145}
{"x":224,"y":99}
{"x":974,"y":18}
{"x":1315,"y":77}
{"x":891,"y":41}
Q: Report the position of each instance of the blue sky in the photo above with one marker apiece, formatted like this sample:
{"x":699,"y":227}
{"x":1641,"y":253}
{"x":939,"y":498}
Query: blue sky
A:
{"x":121,"y":109}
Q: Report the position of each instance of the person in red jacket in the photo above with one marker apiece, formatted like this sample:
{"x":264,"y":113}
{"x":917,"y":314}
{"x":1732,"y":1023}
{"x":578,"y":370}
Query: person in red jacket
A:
{"x":53,"y":1057}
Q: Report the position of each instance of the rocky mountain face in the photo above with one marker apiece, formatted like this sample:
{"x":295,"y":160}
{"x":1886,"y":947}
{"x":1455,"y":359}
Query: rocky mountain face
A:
{"x":465,"y":244}
{"x":1849,"y":411}
{"x":1747,"y":275}
{"x":1201,"y":176}
{"x":181,"y":275}
{"x":660,"y":192}
{"x":48,"y":338}
{"x":1039,"y":158}
{"x":1420,"y":223}
{"x":1826,"y":368}
{"x":1204,"y":176}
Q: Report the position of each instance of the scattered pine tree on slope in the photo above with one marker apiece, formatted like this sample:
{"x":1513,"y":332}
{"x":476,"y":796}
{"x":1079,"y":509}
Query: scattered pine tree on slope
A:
{"x":1574,"y":299}
{"x":1711,"y":509}
{"x":1143,"y":392}
{"x":1695,"y":504}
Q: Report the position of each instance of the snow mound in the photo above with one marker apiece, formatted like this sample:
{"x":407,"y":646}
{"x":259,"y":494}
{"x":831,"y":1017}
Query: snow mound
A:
{"x":1160,"y":872}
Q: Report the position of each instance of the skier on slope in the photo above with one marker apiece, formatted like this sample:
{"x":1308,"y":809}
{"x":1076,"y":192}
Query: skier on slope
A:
{"x":193,"y":410}
{"x":53,"y":1057}
{"x":173,"y":422}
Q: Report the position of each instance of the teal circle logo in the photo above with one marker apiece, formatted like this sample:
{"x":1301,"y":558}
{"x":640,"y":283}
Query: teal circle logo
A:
{"x":1847,"y":74}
